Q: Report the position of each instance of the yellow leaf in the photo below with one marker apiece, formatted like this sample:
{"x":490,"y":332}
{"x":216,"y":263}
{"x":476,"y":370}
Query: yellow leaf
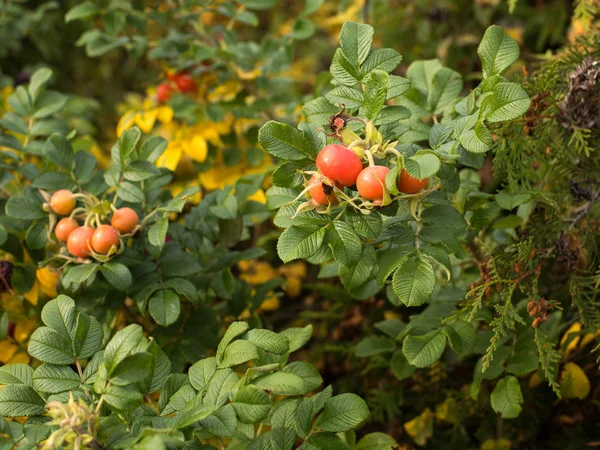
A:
{"x":247,"y":75}
{"x":259,"y":196}
{"x":586,"y":339}
{"x":575,"y":328}
{"x":447,"y":411}
{"x":293,"y":286}
{"x":125,"y":122}
{"x":34,"y":293}
{"x":48,"y":278}
{"x":165,"y":114}
{"x":11,"y":304}
{"x":196,"y":148}
{"x":7,"y":350}
{"x":535,"y":380}
{"x":257,"y":272}
{"x":493,"y":444}
{"x":20,"y":358}
{"x":421,"y":427}
{"x":270,"y":304}
{"x":574,"y":382}
{"x":297,"y":269}
{"x":24,"y":328}
{"x":146,"y":119}
{"x":171,"y":156}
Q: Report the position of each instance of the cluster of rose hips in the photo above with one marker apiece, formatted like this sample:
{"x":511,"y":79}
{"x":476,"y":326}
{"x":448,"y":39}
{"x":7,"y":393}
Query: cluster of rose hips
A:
{"x":182,"y":82}
{"x":339,"y":167}
{"x":85,"y":240}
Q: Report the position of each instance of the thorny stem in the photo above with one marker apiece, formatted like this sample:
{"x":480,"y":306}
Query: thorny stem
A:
{"x":419,"y":225}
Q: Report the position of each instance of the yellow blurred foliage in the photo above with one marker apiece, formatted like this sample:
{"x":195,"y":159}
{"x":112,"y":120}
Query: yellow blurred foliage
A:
{"x":7,"y":350}
{"x":447,"y":411}
{"x":496,"y":444}
{"x":574,"y":383}
{"x":420,"y":429}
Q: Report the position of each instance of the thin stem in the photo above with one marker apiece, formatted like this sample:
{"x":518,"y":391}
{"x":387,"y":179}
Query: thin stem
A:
{"x":77,"y":363}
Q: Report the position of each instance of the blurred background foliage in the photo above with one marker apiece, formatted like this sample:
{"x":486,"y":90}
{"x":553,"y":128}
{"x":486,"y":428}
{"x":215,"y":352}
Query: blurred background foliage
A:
{"x":114,"y":87}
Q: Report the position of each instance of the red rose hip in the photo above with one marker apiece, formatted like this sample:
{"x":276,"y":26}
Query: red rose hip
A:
{"x":105,"y":237}
{"x":371,"y":182}
{"x":80,"y":241}
{"x":124,"y":220}
{"x":62,"y":202}
{"x":339,"y":163}
{"x":64,"y":228}
{"x":322,"y":194}
{"x":409,"y":184}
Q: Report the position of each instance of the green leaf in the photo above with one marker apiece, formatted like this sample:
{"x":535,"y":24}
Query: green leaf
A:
{"x":319,"y":110}
{"x":268,"y":341}
{"x":422,"y":164}
{"x":304,"y":416}
{"x":58,"y":150}
{"x":497,"y":51}
{"x":397,"y":86}
{"x":478,"y":139}
{"x":48,"y":103}
{"x":130,"y":192}
{"x":508,"y":101}
{"x":220,"y":387}
{"x":374,"y":345}
{"x":413,"y":282}
{"x":357,"y":274}
{"x":140,"y":170}
{"x":39,"y":80}
{"x":347,"y":96}
{"x":84,"y":10}
{"x":400,"y":366}
{"x":461,"y":336}
{"x":375,"y":92}
{"x":191,"y":415}
{"x":158,"y":232}
{"x":342,"y":413}
{"x":123,"y":398}
{"x":356,"y":40}
{"x":238,"y":352}
{"x":52,"y":379}
{"x":251,"y":404}
{"x":345,"y":244}
{"x":445,"y":88}
{"x":152,"y":148}
{"x":325,"y":441}
{"x":308,"y":372}
{"x":60,"y":314}
{"x":164,"y":307}
{"x":117,"y":274}
{"x":367,"y":225}
{"x":132,"y":369}
{"x":283,"y":141}
{"x":391,"y":114}
{"x":511,"y":201}
{"x":296,"y":243}
{"x":507,"y":398}
{"x":87,"y":336}
{"x":121,"y":345}
{"x":235,"y":330}
{"x":125,"y":146}
{"x":298,"y":336}
{"x":376,"y":441}
{"x":201,"y":372}
{"x":19,"y":400}
{"x":423,"y":351}
{"x":24,"y":208}
{"x":283,"y":435}
{"x":343,"y":70}
{"x":222,"y":422}
{"x":50,"y":346}
{"x":384,"y":59}
{"x":280,"y":383}
{"x":161,"y":368}
{"x":18,"y":373}
{"x":53,"y":181}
